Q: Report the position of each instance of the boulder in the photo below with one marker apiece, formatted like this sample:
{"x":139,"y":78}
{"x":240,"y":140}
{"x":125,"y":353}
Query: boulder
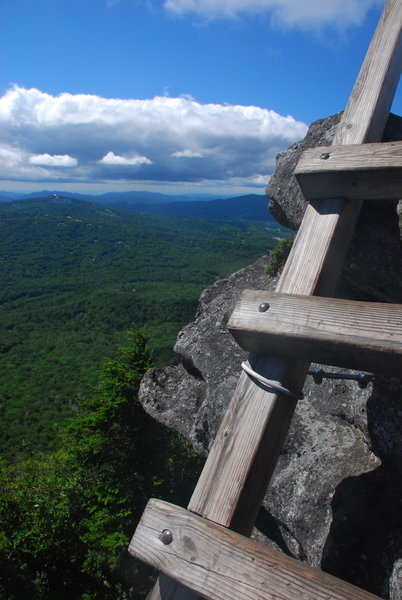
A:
{"x":192,"y":396}
{"x":334,"y":500}
{"x":374,"y":263}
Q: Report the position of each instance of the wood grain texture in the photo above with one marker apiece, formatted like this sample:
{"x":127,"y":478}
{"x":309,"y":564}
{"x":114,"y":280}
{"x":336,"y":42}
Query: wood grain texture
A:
{"x":319,"y":248}
{"x":355,"y":172}
{"x":354,"y":157}
{"x":369,"y":104}
{"x":243,"y":457}
{"x":234,"y":480}
{"x":217,"y":563}
{"x":345,"y":333}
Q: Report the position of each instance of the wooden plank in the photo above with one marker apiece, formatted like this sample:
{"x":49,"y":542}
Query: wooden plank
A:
{"x":345,"y":333}
{"x":320,"y":247}
{"x":217,"y":563}
{"x":244,"y":454}
{"x":355,"y":172}
{"x":355,"y":157}
{"x":233,"y":482}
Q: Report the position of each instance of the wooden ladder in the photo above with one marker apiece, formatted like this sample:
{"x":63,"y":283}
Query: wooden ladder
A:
{"x":204,"y":551}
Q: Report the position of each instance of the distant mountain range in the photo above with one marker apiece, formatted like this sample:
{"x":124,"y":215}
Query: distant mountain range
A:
{"x":111,"y":197}
{"x":252,"y":207}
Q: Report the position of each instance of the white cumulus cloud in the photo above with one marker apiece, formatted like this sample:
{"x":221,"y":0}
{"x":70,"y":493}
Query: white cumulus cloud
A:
{"x":57,"y":160}
{"x":113,"y":159}
{"x":106,"y":139}
{"x":293,"y":13}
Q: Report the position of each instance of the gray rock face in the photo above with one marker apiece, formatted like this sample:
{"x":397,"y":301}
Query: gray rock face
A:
{"x":192,"y":396}
{"x":335,"y":497}
{"x":287,"y":203}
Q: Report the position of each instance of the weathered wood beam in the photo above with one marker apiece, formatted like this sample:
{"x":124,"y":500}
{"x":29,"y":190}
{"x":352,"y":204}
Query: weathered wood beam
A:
{"x":345,"y":333}
{"x":355,"y":172}
{"x":368,"y":107}
{"x":217,"y":563}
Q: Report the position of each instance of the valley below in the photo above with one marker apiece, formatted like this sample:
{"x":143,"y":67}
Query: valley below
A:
{"x":77,"y":275}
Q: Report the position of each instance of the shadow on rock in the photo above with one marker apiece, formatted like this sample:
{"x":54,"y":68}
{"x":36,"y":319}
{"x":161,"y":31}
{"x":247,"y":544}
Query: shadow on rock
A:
{"x":364,"y":545}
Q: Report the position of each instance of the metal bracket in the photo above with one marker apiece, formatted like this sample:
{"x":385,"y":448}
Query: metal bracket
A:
{"x":363,"y":379}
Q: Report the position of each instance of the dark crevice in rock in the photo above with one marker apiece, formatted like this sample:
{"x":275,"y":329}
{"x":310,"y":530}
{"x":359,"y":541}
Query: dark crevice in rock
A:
{"x":384,"y":421}
{"x":365,"y":538}
{"x":191,"y":368}
{"x":364,"y":543}
{"x":270,"y":527}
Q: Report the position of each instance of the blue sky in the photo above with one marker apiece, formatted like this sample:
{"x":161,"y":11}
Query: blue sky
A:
{"x":169,"y":95}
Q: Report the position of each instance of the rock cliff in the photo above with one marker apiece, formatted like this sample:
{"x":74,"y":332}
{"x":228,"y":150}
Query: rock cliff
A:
{"x":335,"y":498}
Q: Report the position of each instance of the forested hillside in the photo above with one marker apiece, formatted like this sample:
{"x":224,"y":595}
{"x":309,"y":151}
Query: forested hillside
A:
{"x":75,"y":276}
{"x":79,"y":456}
{"x":66,"y":517}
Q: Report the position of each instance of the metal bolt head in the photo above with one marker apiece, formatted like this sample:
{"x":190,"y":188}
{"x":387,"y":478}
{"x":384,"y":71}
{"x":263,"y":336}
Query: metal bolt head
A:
{"x":325,"y":155}
{"x":264,"y":306}
{"x":362,"y":380}
{"x":318,"y":375}
{"x":166,"y":537}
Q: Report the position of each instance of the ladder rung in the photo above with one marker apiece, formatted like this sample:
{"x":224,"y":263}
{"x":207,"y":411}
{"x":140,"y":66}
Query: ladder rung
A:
{"x":356,"y":172}
{"x":345,"y":333}
{"x":220,"y":564}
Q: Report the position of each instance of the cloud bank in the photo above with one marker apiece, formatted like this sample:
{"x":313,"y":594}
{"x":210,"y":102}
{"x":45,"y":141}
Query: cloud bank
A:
{"x":85,"y":138}
{"x":307,"y":14}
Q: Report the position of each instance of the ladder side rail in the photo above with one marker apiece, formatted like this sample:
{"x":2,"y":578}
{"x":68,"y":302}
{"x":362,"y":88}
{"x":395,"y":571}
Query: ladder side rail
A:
{"x":369,"y":104}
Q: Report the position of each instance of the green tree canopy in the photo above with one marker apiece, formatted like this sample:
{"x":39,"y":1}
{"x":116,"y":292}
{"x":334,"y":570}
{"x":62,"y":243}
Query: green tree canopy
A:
{"x":66,"y":518}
